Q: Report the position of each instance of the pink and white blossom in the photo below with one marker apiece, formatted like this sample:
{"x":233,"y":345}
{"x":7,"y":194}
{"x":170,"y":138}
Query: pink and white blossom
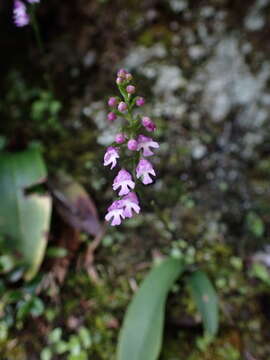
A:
{"x":130,"y":203}
{"x":20,"y":16}
{"x":123,"y":181}
{"x":143,"y":170}
{"x":115,"y":213}
{"x":146,"y":143}
{"x":111,"y":156}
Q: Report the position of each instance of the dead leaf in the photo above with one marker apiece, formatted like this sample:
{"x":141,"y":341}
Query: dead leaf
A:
{"x":74,"y":204}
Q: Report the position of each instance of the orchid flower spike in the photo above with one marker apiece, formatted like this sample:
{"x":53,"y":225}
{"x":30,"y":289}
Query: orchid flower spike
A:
{"x":131,"y":143}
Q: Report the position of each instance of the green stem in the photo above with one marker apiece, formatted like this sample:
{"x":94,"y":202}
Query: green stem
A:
{"x":35,"y":26}
{"x":39,"y":41}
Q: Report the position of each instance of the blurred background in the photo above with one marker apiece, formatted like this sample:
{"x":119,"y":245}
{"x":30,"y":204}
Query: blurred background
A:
{"x":204,"y":70}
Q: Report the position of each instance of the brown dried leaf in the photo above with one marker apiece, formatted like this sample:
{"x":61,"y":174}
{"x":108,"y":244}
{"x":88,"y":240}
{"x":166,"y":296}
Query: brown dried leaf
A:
{"x":74,"y":204}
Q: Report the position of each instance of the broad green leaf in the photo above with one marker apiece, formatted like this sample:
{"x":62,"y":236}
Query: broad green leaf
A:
{"x":24,"y":217}
{"x":141,"y":334}
{"x":206,"y":300}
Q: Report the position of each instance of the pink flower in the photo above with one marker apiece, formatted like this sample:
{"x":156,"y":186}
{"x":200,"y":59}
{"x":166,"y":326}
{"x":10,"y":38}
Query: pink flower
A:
{"x":110,"y":157}
{"x":21,"y":18}
{"x":146,"y":143}
{"x":148,"y":124}
{"x":140,"y":101}
{"x":124,"y":181}
{"x":33,"y":1}
{"x":144,"y":169}
{"x":130,"y":203}
{"x":115,"y":213}
{"x":132,"y":145}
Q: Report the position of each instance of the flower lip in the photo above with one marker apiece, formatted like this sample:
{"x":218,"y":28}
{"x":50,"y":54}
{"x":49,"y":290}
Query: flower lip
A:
{"x":115,"y":213}
{"x":124,"y":181}
{"x":145,"y":144}
{"x":143,"y":170}
{"x":111,"y":156}
{"x":130,"y":203}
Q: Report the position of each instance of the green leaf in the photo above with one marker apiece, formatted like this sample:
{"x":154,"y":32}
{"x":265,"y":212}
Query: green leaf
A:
{"x":255,"y":224}
{"x":141,"y":334}
{"x":46,"y":354}
{"x":85,"y":337}
{"x":24,"y":217}
{"x":206,"y":300}
{"x":260,"y":271}
{"x":33,"y":306}
{"x":6,"y":263}
{"x":55,"y":335}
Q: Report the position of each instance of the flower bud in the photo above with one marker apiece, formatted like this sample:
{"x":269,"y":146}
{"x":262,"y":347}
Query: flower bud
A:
{"x":132,"y":145}
{"x":148,"y":124}
{"x":111,"y":116}
{"x":112,"y":101}
{"x":140,"y":101}
{"x":122,"y":106}
{"x":120,"y":138}
{"x":119,"y":80}
{"x":128,"y":77}
{"x":121,"y":73}
{"x":130,"y":89}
